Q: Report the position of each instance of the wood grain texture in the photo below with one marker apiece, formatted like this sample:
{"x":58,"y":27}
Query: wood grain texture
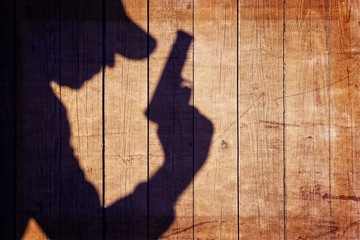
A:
{"x":306,"y":120}
{"x":81,"y":119}
{"x":344,"y":40}
{"x":38,"y":116}
{"x":260,"y":119}
{"x":167,"y":18}
{"x":215,"y":95}
{"x":125,"y":122}
{"x":192,"y":119}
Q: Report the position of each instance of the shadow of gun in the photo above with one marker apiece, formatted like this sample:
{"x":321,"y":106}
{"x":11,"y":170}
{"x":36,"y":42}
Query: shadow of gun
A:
{"x":150,"y":210}
{"x":169,"y":93}
{"x":181,"y":130}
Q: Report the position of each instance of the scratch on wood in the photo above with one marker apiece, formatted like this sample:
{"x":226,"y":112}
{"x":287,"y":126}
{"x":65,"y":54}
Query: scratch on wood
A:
{"x":327,"y":196}
{"x":249,"y":108}
{"x":187,"y":228}
{"x":334,"y":230}
{"x":310,"y":91}
{"x":272,"y":124}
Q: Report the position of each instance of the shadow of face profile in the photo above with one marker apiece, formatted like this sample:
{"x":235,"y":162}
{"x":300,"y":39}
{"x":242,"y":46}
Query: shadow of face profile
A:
{"x":68,"y":42}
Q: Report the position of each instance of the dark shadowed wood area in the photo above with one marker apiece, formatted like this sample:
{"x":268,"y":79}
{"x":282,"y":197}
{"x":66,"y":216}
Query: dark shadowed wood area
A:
{"x":8,"y":74}
{"x":180,"y":119}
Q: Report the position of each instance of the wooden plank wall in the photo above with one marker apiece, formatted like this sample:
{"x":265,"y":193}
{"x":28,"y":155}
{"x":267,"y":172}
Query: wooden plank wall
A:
{"x":215,"y":95}
{"x":261,"y":109}
{"x":307,"y":128}
{"x":191,"y":119}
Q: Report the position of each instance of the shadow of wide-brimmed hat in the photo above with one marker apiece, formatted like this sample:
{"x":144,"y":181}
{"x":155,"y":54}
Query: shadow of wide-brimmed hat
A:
{"x":114,"y":27}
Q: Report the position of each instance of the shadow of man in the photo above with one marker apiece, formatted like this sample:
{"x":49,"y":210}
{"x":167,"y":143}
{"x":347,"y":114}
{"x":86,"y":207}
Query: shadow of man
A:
{"x":63,"y":41}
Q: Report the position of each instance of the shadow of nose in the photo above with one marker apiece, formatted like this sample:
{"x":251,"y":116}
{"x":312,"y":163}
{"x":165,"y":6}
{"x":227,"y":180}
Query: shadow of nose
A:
{"x":124,"y":36}
{"x":152,"y":44}
{"x":138,"y":44}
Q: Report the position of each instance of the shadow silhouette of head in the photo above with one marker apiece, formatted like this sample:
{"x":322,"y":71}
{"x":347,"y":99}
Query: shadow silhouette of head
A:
{"x":69,"y":42}
{"x":88,"y":36}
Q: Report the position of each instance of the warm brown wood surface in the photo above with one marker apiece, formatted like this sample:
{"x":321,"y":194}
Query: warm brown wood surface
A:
{"x":260,"y":119}
{"x":306,"y":124}
{"x":215,"y":187}
{"x":344,"y":40}
{"x":259,"y":141}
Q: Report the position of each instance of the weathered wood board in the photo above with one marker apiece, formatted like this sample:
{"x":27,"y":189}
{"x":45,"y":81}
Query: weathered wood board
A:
{"x":125,"y":100}
{"x":344,"y":169}
{"x":306,"y":126}
{"x":215,"y":96}
{"x":191,"y":119}
{"x":169,"y":169}
{"x":260,"y":119}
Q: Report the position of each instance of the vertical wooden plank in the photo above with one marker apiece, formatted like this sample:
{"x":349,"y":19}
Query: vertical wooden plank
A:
{"x":81,"y":119}
{"x":344,"y":42}
{"x":125,"y":119}
{"x":171,"y":135}
{"x":7,"y":119}
{"x":38,"y":118}
{"x":215,"y":95}
{"x":307,"y":120}
{"x":261,"y":119}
